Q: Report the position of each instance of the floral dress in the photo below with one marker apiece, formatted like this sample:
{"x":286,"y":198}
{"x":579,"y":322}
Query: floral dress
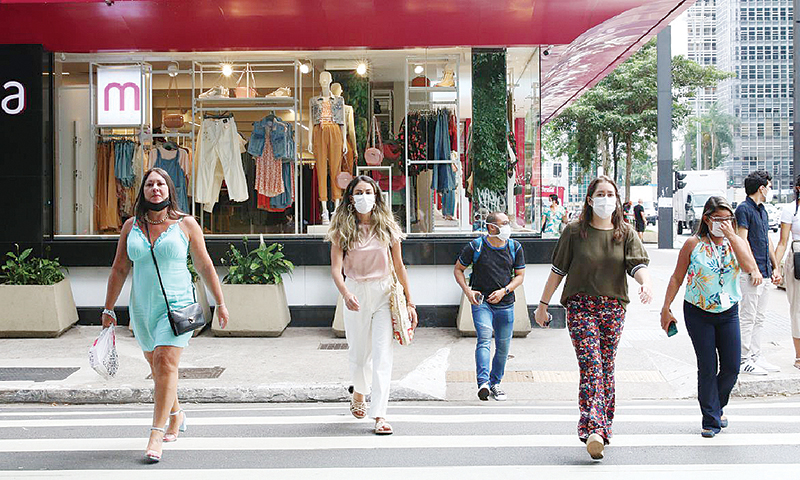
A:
{"x":553,"y":218}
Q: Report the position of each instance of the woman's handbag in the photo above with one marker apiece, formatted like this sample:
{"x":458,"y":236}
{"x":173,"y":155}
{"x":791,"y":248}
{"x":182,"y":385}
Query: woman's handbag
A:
{"x":174,"y":120}
{"x":374,"y":156}
{"x":401,"y":320}
{"x":249,"y":90}
{"x":186,"y":319}
{"x":796,"y":259}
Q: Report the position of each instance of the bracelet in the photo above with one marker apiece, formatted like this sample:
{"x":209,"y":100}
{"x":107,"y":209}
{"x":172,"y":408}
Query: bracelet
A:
{"x":110,"y":313}
{"x":542,"y":302}
{"x":411,"y":305}
{"x":220,"y":305}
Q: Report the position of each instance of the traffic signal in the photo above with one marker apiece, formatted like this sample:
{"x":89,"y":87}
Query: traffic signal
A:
{"x":678,"y":183}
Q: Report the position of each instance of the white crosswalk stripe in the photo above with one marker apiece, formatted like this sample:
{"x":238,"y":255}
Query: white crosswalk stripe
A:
{"x":438,"y":441}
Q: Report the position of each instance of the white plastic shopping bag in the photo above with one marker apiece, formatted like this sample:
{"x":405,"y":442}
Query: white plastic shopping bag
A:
{"x":103,"y":353}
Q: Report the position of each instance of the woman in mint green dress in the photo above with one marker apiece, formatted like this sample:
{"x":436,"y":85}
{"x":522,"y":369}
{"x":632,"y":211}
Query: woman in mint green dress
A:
{"x":174,"y":235}
{"x":553,"y":218}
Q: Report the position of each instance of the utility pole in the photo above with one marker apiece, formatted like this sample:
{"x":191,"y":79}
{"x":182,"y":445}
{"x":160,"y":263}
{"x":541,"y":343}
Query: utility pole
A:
{"x":664,"y":79}
{"x":699,"y":137}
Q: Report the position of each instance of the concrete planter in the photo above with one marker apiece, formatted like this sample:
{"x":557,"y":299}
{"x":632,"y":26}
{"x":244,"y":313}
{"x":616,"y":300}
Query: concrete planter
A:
{"x":338,"y":318}
{"x":202,"y":299}
{"x":36,"y":310}
{"x":522,"y":320}
{"x":256,"y":311}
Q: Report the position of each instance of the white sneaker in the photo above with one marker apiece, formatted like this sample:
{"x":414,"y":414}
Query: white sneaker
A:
{"x":216,"y":92}
{"x":281,"y":92}
{"x":325,"y":218}
{"x":763,"y":363}
{"x":751,"y":368}
{"x":484,"y":391}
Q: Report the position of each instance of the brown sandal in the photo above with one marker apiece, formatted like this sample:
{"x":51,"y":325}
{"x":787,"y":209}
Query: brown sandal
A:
{"x":383,"y":428}
{"x":358,"y":409}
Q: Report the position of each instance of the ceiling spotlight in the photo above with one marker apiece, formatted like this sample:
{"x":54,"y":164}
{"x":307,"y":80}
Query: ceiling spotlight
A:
{"x":304,"y":68}
{"x":418,"y":69}
{"x":361,"y":69}
{"x":172,"y":69}
{"x":227,"y":69}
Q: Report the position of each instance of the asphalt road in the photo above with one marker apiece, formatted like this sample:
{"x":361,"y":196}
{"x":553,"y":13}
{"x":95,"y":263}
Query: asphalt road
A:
{"x":652,"y":440}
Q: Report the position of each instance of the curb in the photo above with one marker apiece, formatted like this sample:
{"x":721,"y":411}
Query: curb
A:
{"x":763,"y":388}
{"x":277,"y":393}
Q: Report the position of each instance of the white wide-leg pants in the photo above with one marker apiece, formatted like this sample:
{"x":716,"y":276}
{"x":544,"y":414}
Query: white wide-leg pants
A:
{"x":369,"y":336}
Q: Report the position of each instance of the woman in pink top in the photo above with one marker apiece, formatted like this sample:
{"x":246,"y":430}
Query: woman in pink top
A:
{"x":362,"y":231}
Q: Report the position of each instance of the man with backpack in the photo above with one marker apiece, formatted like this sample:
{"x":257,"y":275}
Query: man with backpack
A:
{"x":498,"y":268}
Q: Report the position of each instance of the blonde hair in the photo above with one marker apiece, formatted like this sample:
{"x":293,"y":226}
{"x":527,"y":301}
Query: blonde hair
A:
{"x":343,"y":230}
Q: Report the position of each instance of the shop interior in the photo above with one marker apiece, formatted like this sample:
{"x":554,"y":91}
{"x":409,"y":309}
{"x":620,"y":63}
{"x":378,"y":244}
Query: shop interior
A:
{"x":264,"y":142}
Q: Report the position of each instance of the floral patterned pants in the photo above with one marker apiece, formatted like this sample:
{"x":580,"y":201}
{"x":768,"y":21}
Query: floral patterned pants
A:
{"x":595,"y":325}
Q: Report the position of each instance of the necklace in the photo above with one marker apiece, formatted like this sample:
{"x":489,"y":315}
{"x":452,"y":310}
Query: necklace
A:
{"x":151,"y":222}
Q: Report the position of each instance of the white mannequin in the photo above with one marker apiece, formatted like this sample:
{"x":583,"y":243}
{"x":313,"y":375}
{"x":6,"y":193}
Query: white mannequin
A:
{"x":349,"y":119}
{"x":325,"y":80}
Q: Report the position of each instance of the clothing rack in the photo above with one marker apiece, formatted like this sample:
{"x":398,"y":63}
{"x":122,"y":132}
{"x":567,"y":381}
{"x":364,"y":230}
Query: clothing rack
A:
{"x":228,"y":106}
{"x":434,"y":105}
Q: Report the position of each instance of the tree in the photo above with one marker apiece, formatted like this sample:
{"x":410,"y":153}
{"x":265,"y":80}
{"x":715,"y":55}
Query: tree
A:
{"x":622,"y":109}
{"x":716,"y":133}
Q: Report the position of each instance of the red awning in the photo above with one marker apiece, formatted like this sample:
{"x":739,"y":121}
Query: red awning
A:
{"x":208,"y":25}
{"x":591,"y":36}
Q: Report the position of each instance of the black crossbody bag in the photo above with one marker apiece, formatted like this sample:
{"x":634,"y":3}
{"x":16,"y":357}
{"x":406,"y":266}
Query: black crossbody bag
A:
{"x":186,"y":319}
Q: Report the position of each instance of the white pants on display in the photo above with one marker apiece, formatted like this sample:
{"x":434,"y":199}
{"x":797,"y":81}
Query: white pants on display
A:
{"x":752,"y":312}
{"x":219,"y":159}
{"x":369,"y":335}
{"x":792,"y":290}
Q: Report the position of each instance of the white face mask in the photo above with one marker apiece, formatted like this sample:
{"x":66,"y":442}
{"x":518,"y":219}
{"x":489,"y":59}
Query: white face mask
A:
{"x":716,"y":229}
{"x":364,"y":202}
{"x":768,"y":195}
{"x":604,"y":206}
{"x":505,"y":232}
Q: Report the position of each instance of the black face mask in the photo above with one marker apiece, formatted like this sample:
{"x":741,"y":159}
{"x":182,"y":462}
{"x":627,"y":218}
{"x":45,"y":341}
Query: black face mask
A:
{"x":156,"y":207}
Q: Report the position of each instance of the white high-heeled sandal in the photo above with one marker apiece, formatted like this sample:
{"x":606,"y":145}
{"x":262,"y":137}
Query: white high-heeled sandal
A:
{"x":152,"y":455}
{"x":171,"y":437}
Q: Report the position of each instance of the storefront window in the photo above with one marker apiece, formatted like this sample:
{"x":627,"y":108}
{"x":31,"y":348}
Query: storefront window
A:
{"x":524,"y":88}
{"x":262,"y":142}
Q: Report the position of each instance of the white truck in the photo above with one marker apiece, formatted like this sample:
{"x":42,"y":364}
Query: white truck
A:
{"x":688,"y":202}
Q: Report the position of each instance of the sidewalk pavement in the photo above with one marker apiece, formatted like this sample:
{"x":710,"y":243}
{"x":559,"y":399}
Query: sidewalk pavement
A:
{"x":310,"y":364}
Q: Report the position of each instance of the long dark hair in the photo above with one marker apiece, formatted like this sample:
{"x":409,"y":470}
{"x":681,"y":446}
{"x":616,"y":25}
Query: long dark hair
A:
{"x":712,"y":205}
{"x":617,"y":219}
{"x":139,"y":210}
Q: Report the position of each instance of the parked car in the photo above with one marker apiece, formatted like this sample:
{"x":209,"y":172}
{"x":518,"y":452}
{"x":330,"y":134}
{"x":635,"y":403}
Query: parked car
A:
{"x":650,"y":212}
{"x":774,"y":214}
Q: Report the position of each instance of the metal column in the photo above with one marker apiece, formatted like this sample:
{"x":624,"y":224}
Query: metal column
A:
{"x":664,"y":75}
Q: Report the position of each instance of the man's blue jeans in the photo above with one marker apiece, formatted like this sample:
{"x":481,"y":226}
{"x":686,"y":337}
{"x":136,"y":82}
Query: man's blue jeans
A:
{"x":490,"y":319}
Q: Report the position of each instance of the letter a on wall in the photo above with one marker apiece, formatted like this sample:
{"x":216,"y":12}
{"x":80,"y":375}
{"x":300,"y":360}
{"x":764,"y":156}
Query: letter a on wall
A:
{"x":119,"y":96}
{"x":14,"y":103}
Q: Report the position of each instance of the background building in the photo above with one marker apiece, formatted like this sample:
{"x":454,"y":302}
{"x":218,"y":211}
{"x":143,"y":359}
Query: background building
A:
{"x":752,"y":38}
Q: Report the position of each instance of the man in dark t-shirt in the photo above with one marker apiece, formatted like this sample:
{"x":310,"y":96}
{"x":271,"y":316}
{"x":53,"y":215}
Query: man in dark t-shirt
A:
{"x":498,"y":267}
{"x":638,"y":219}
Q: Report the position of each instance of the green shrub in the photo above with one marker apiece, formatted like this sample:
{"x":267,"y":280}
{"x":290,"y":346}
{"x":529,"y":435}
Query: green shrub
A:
{"x":262,"y":266}
{"x":26,"y":269}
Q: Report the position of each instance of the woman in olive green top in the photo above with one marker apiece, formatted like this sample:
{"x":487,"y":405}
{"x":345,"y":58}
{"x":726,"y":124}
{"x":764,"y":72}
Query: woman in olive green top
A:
{"x":594,"y":254}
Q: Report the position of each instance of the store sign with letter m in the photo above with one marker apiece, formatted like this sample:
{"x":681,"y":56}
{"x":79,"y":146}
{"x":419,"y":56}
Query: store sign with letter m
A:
{"x":119,"y":95}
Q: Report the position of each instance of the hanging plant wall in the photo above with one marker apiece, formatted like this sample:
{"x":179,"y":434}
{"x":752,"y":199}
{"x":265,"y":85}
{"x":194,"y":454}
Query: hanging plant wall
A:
{"x":488,"y":149}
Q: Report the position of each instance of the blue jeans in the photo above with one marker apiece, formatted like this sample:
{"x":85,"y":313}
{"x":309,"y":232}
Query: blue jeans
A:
{"x":490,"y":319}
{"x":717,"y":344}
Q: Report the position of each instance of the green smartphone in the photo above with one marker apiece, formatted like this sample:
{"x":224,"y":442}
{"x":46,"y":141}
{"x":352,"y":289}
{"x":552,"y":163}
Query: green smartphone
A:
{"x":672,"y":329}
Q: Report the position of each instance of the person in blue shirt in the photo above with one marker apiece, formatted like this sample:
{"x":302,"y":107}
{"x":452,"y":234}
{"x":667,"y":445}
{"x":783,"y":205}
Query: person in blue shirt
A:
{"x":753,"y":227}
